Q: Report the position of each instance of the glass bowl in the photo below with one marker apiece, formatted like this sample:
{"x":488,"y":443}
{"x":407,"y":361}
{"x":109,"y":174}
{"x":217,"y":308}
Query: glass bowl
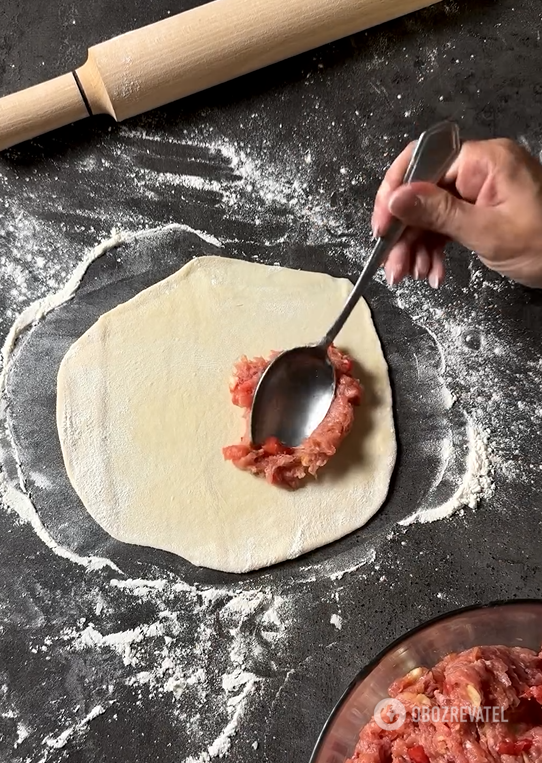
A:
{"x":511,"y":623}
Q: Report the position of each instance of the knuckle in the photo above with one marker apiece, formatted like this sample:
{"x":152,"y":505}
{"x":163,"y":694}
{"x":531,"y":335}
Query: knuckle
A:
{"x":504,"y":152}
{"x":510,"y":152}
{"x":473,"y":153}
{"x":471,"y":148}
{"x":507,"y":145}
{"x":445,"y":211}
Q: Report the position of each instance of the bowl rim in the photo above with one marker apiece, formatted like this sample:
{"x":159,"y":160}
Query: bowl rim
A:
{"x":365,"y":671}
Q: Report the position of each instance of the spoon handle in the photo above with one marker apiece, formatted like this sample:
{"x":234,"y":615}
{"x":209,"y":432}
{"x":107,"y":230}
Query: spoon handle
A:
{"x":435,"y":152}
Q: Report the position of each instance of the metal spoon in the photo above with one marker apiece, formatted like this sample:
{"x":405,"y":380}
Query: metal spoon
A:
{"x":296,"y":390}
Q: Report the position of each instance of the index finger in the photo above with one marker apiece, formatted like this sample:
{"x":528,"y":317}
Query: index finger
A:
{"x":392,"y":180}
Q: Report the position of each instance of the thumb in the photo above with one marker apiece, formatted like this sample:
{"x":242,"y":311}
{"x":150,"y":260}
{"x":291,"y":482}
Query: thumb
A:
{"x":426,"y":206}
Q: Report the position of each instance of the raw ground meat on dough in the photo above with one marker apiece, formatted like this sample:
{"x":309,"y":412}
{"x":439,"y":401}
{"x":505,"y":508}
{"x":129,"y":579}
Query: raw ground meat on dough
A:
{"x":284,"y":466}
{"x":482,"y":677}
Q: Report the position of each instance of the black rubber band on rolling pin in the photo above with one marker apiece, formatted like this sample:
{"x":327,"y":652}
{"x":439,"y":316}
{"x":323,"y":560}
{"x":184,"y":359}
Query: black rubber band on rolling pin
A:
{"x":83,"y":94}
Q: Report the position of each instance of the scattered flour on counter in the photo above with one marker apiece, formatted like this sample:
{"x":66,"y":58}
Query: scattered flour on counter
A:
{"x":246,"y":187}
{"x":221,"y":745}
{"x":22,"y":733}
{"x":336,"y":621}
{"x":369,"y":558}
{"x":140,"y":587}
{"x":466,"y":472}
{"x":476,"y":484}
{"x":19,"y":501}
{"x":58,"y":742}
{"x":220,"y":664}
{"x":336,"y":568}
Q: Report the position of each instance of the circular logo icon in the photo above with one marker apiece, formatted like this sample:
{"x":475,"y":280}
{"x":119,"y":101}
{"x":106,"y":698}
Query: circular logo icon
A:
{"x":390,"y":714}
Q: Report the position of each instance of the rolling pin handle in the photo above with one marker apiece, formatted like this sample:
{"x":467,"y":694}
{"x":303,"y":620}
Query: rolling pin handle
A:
{"x":39,"y":109}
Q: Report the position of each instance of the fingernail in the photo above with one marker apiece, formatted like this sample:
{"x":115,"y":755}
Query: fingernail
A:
{"x":416,"y":274}
{"x":404,"y":204}
{"x":391,"y":278}
{"x":434,"y":280}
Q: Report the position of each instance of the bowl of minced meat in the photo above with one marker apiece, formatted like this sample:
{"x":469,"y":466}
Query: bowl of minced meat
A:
{"x":464,"y":688}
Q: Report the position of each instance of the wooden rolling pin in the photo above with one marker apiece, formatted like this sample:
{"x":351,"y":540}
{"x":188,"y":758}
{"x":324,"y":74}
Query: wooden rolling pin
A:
{"x":180,"y":55}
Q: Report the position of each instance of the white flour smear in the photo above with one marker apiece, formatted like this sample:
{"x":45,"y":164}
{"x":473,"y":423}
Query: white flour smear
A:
{"x":15,"y":497}
{"x":476,"y":482}
{"x":219,"y":667}
{"x":58,"y":742}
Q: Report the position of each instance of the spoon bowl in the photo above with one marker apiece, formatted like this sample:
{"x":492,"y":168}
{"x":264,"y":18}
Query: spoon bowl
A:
{"x":293,"y":395}
{"x":297,"y":388}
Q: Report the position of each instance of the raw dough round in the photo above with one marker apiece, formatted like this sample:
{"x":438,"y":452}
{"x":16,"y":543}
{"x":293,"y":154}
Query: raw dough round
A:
{"x":143,"y":410}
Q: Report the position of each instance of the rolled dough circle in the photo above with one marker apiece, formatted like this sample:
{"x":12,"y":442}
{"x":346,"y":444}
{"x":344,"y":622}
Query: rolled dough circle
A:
{"x":143,"y":410}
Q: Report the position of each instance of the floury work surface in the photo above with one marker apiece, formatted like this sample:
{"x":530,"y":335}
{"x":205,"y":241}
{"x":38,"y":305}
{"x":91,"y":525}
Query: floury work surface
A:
{"x":109,"y":651}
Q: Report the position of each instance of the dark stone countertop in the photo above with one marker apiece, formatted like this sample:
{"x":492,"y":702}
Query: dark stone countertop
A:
{"x":280,"y":166}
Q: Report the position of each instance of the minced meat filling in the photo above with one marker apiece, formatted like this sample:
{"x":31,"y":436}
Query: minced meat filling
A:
{"x":483,"y":705}
{"x":284,"y":466}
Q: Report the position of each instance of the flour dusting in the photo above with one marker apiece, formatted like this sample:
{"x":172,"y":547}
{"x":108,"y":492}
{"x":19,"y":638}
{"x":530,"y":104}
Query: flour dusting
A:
{"x":160,"y":663}
{"x":476,"y":482}
{"x":53,"y":743}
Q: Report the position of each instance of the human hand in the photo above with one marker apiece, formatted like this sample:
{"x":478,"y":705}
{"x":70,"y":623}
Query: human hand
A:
{"x":490,"y":201}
